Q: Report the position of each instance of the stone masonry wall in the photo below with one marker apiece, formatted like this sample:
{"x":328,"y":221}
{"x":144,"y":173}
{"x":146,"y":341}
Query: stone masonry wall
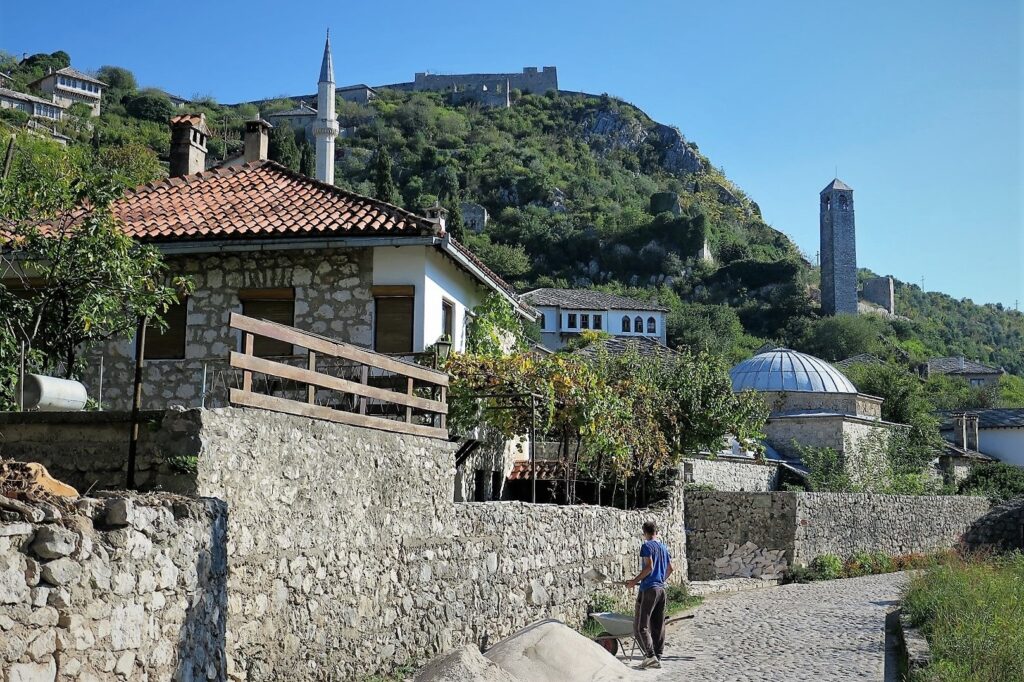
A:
{"x":716,"y":519}
{"x":725,"y":474}
{"x":807,"y":525}
{"x":346,"y":552}
{"x":844,"y":523}
{"x":126,"y":588}
{"x":332,"y":297}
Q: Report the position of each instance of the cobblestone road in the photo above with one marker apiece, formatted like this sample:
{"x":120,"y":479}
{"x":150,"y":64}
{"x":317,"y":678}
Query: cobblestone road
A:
{"x":833,"y":630}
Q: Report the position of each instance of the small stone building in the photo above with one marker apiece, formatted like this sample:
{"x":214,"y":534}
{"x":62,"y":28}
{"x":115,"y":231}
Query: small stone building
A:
{"x":67,"y":86}
{"x":811,"y":403}
{"x":974,"y":373}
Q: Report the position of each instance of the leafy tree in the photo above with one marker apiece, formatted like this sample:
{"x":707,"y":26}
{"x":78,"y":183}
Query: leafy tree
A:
{"x":15,"y":117}
{"x":998,"y":480}
{"x":118,"y":78}
{"x":383,"y":182}
{"x":455,"y":226}
{"x":80,"y":110}
{"x":496,"y":328}
{"x":508,"y":261}
{"x":80,"y":279}
{"x":130,"y":165}
{"x":842,"y":336}
{"x":150,"y":106}
{"x":281,"y":147}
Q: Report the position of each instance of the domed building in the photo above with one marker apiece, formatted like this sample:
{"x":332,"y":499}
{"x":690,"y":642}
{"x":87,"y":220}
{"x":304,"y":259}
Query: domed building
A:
{"x":811,"y":403}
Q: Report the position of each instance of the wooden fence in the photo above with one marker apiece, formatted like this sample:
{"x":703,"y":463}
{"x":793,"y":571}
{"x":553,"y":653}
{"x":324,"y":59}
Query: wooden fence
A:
{"x":417,"y":415}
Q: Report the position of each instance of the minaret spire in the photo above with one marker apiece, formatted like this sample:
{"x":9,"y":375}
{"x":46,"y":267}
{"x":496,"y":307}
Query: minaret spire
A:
{"x":325,"y":129}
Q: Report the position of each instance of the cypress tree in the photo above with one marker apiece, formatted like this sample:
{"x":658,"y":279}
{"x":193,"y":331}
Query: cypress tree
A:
{"x":282,"y":148}
{"x":307,"y":160}
{"x":384,"y":184}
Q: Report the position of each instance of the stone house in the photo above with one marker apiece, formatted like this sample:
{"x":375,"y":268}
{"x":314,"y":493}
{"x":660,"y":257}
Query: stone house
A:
{"x":961,"y":453}
{"x":67,"y":86}
{"x":34,"y":106}
{"x":811,"y":403}
{"x":565,"y":313}
{"x":974,"y":373}
{"x":259,"y":239}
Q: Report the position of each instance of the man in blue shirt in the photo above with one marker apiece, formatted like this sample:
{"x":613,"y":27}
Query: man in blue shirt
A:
{"x":649,"y":614}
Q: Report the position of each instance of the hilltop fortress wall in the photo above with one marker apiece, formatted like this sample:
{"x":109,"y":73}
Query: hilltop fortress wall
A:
{"x":532,"y":80}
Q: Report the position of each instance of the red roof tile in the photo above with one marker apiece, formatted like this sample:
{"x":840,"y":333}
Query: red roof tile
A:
{"x":547,"y":470}
{"x":258,"y":199}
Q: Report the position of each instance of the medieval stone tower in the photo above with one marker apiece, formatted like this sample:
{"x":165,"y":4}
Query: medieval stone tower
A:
{"x":325,"y":128}
{"x":838,"y":250}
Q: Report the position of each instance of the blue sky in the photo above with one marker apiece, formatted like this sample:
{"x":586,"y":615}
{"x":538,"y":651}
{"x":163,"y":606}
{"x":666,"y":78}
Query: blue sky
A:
{"x":918,"y":104}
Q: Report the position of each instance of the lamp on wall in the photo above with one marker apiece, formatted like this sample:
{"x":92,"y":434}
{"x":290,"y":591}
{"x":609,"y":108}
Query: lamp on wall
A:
{"x":442,"y":348}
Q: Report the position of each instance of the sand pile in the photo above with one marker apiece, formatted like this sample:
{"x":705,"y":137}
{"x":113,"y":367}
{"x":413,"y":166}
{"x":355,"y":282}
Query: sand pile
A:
{"x":546,"y":651}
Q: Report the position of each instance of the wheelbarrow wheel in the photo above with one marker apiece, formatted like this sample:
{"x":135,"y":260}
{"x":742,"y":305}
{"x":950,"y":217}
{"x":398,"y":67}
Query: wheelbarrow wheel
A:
{"x":609,"y":642}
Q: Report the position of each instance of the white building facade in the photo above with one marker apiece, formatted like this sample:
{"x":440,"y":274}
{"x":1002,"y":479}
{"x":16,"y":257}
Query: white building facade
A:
{"x":566,"y":313}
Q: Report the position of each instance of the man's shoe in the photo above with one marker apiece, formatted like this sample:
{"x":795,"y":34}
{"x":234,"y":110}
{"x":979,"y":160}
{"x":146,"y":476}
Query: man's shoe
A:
{"x":650,"y":662}
{"x":656,"y":664}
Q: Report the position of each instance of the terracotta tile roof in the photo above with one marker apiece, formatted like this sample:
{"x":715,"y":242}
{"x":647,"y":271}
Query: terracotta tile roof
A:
{"x":546,"y":471}
{"x":195,"y":120}
{"x":261,"y":199}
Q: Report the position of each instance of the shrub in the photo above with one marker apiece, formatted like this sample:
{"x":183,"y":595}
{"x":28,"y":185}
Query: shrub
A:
{"x":997,"y":480}
{"x":857,"y":565}
{"x":827,"y":567}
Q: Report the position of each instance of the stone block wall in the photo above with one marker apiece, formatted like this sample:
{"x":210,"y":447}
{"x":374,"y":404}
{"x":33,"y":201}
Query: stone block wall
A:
{"x":332,"y":297}
{"x":533,"y":80}
{"x":123,"y":588}
{"x":881,"y":291}
{"x":1001,"y":529}
{"x":726,"y":474}
{"x":844,"y":523}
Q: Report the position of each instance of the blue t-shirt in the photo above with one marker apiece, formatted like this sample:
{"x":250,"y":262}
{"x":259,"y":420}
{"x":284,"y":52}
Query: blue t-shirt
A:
{"x":660,"y":559}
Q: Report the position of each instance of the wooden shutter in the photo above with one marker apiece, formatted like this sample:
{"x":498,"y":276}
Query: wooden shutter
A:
{"x":168,"y":344}
{"x":393,"y":324}
{"x":276,"y":305}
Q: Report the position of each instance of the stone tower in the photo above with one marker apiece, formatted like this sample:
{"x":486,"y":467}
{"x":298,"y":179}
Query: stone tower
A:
{"x":838,"y":250}
{"x":325,"y":128}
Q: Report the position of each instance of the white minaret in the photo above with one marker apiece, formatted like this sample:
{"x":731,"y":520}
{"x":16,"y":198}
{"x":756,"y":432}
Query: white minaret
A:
{"x":325,"y":128}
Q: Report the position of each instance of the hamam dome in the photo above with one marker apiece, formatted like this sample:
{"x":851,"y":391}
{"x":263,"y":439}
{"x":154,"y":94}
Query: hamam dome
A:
{"x":781,"y":369}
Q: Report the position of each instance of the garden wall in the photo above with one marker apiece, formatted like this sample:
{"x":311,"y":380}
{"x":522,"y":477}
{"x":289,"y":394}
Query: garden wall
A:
{"x":727,"y":474}
{"x":124,"y":588}
{"x":347,"y":555}
{"x":806,"y":525}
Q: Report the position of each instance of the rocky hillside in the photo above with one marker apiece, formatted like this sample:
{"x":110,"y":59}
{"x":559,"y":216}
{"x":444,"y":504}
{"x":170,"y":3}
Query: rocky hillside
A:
{"x":583,"y":191}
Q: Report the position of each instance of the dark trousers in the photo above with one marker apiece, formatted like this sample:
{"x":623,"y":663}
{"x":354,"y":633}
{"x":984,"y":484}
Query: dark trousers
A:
{"x":649,"y":621}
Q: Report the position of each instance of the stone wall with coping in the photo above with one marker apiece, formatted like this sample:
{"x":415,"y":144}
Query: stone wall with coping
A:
{"x":124,"y":588}
{"x":346,"y":553}
{"x":728,"y":474}
{"x":807,"y":525}
{"x":332,"y":297}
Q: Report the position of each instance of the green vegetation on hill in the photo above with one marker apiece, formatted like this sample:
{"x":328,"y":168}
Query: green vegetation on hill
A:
{"x":567,"y":180}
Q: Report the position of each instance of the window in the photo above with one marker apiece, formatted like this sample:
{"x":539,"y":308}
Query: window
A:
{"x":168,"y":344}
{"x":597,"y":321}
{"x":540,"y":320}
{"x":275,"y":305}
{"x":625,"y":323}
{"x":393,"y":321}
{"x":975,"y":383}
{"x":584,"y":321}
{"x":652,"y":326}
{"x":479,"y":485}
{"x":571,"y":324}
{"x":638,"y":325}
{"x":448,"y":319}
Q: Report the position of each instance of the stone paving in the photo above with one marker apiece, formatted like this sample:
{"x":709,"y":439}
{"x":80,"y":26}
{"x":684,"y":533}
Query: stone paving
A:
{"x":833,"y":630}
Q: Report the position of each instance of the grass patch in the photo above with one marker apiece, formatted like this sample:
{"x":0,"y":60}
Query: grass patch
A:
{"x":972,"y":613}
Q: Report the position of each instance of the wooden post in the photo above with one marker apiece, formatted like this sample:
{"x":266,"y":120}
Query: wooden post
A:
{"x":140,"y":363}
{"x":408,"y":409}
{"x":311,"y":389}
{"x":247,"y":346}
{"x":8,"y":158}
{"x":364,"y":378}
{"x":21,"y":379}
{"x":443,"y":399}
{"x":533,"y":449}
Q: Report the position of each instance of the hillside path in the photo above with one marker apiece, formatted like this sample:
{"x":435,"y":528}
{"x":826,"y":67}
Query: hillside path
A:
{"x":832,"y":630}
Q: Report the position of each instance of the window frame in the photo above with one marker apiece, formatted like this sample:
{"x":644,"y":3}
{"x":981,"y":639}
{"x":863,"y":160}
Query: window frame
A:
{"x":571,"y":321}
{"x":153,"y":334}
{"x":597,"y":323}
{"x":627,"y":324}
{"x":447,"y":319}
{"x":405,"y":292}
{"x":638,"y":325}
{"x":652,"y":325}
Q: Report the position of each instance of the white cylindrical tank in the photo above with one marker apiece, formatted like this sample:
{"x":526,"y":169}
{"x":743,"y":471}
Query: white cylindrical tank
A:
{"x":50,"y":394}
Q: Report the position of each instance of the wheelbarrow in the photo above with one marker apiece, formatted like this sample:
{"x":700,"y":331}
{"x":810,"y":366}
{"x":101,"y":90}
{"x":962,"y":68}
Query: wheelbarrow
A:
{"x":616,"y":633}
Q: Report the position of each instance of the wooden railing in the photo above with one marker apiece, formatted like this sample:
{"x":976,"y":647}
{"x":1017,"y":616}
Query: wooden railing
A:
{"x":416,"y":414}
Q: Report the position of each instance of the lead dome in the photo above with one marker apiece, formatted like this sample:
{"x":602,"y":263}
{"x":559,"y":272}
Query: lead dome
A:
{"x":782,"y":369}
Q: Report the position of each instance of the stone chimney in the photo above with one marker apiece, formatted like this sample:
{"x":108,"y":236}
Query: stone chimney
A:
{"x":439,"y":215}
{"x":960,"y":430}
{"x":971,"y":428}
{"x":188,"y":144}
{"x":257,"y":140}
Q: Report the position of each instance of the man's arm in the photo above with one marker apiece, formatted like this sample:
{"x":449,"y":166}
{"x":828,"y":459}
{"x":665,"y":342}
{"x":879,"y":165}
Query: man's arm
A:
{"x":648,"y":567}
{"x":668,"y":571}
